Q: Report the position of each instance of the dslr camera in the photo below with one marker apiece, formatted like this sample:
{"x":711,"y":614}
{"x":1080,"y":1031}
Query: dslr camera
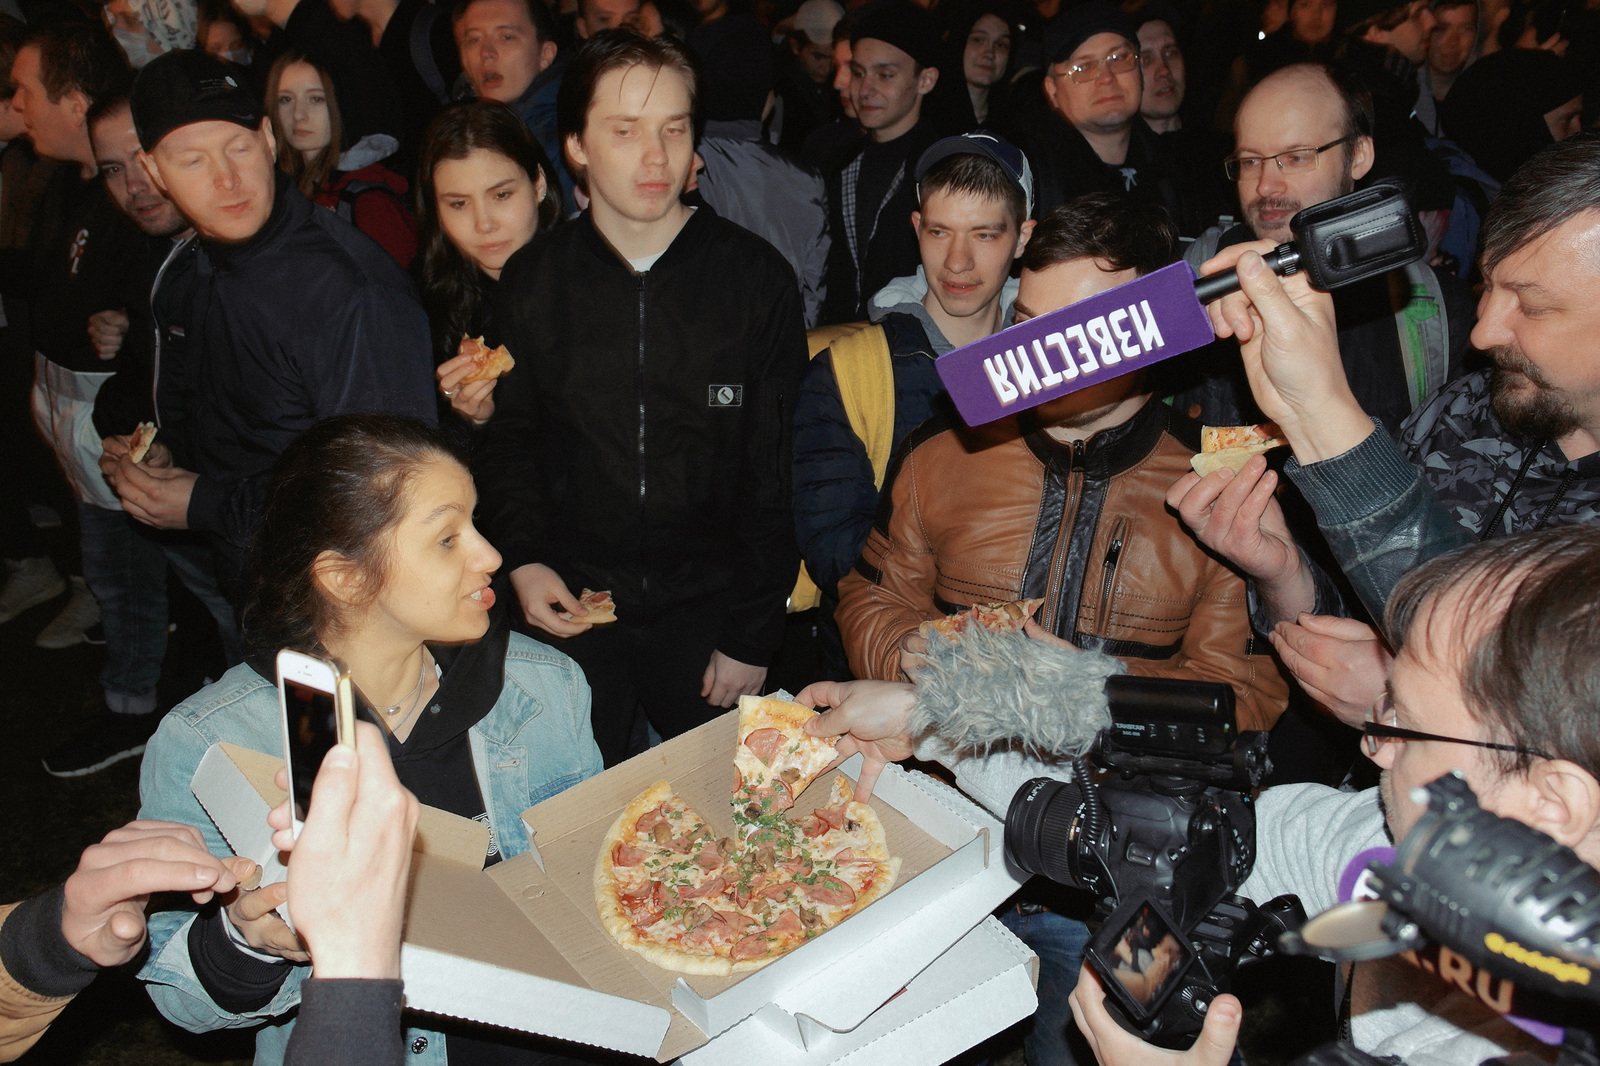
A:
{"x":1158,"y":823}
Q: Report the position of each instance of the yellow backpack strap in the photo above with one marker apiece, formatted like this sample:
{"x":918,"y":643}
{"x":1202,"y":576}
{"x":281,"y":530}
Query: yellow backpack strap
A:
{"x":862,"y":367}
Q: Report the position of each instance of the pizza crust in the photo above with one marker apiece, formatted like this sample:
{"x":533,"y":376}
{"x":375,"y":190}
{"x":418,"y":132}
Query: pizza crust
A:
{"x":144,"y":435}
{"x":1207,"y":463}
{"x":1230,"y":447}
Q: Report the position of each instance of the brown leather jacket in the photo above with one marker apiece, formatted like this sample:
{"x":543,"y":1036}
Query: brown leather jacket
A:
{"x":1086,"y":527}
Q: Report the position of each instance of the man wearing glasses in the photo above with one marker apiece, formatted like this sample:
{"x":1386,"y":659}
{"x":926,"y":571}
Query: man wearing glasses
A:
{"x":1094,"y":140}
{"x":1303,"y":137}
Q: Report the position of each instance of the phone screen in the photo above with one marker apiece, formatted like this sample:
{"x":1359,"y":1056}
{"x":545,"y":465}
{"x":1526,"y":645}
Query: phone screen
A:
{"x":313,"y":730}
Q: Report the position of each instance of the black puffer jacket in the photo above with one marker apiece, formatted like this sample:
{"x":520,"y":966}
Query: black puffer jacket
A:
{"x":642,"y":444}
{"x":307,"y":319}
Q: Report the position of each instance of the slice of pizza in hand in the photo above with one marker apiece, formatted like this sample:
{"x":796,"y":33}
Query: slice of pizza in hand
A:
{"x":488,"y":362}
{"x":1231,"y":447}
{"x":1008,"y":617}
{"x":597,"y":608}
{"x":775,"y":758}
{"x":139,"y":443}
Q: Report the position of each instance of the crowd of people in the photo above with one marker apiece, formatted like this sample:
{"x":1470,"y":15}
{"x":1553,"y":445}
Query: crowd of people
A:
{"x":725,"y":244}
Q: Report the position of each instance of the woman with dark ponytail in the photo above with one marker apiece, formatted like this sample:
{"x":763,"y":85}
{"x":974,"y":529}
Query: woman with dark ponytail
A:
{"x":366,"y":552}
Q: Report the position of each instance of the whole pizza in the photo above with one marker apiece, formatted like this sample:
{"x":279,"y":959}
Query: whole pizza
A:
{"x":668,"y":887}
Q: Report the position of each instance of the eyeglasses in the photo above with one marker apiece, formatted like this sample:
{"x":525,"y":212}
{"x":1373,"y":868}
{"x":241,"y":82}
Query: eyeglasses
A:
{"x":1379,"y":727}
{"x":1089,"y":69}
{"x":1295,"y":159}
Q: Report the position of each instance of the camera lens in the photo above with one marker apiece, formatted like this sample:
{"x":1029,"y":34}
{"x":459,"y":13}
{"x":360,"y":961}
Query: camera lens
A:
{"x":1043,"y":826}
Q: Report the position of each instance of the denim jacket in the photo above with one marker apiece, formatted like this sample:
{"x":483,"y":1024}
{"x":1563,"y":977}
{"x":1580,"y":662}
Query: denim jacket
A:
{"x":534,"y":743}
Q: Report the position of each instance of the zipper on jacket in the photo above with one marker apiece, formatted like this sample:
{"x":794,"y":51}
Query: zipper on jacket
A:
{"x":644,"y":581}
{"x":1075,"y":464}
{"x":1113,"y":556}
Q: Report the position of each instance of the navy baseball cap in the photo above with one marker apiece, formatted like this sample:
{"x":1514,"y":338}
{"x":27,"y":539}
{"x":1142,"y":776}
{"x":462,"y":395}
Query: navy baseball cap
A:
{"x":1071,"y":28}
{"x":188,"y":86}
{"x":981,"y":142}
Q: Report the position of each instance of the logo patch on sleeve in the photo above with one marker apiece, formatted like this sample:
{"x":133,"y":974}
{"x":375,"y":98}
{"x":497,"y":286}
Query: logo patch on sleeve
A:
{"x":725,"y":396}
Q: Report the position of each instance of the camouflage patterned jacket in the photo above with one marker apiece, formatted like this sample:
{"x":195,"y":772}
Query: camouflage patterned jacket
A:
{"x":1456,"y":476}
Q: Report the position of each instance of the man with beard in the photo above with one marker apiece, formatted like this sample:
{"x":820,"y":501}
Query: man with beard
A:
{"x":1511,"y":449}
{"x":1304,"y":136}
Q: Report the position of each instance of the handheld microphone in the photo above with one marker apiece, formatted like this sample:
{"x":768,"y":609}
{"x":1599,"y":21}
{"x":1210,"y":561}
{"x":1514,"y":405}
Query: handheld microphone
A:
{"x":1160,"y":315}
{"x":1339,"y":242}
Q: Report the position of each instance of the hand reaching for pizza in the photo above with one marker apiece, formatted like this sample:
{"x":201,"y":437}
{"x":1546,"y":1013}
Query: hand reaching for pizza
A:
{"x":1343,"y":664}
{"x":726,"y":679}
{"x":874,"y":718}
{"x":1238,"y":517}
{"x":473,"y":400}
{"x":106,"y":331}
{"x":913,"y":646}
{"x":155,"y":495}
{"x":543,"y":596}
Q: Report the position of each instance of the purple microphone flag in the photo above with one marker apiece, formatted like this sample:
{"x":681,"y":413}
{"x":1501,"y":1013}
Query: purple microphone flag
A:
{"x":1117,"y":332}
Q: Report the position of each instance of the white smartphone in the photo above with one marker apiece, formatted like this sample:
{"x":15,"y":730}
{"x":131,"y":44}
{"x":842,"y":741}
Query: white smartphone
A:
{"x":318,"y":711}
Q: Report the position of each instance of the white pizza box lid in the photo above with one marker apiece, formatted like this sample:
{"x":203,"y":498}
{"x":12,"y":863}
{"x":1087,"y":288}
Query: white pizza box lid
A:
{"x":978,"y":987}
{"x":557,"y":972}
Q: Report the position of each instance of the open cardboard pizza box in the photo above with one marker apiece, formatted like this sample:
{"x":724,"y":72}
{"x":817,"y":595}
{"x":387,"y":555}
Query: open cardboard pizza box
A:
{"x":521,"y":945}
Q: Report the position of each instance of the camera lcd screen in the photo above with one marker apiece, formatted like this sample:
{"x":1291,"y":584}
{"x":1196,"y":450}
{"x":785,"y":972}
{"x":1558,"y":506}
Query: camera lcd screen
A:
{"x":1147,"y":957}
{"x":313,"y":730}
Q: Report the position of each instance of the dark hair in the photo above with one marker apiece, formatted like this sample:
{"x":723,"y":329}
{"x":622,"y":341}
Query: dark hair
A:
{"x":1533,"y":676}
{"x":1560,"y":182}
{"x":544,"y":24}
{"x":974,"y":175}
{"x":13,"y":32}
{"x":104,"y":108}
{"x":310,"y":177}
{"x":1545,"y":17}
{"x":609,"y":50}
{"x":212,"y":12}
{"x":448,"y":279}
{"x":1125,"y":233}
{"x":1440,"y":5}
{"x":80,"y":57}
{"x":339,"y":487}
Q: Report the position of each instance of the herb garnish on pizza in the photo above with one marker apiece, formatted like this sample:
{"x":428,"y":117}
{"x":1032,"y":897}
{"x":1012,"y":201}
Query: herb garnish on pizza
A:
{"x":668,"y":888}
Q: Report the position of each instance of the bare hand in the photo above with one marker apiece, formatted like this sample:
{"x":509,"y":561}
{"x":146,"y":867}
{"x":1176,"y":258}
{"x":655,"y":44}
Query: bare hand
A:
{"x":1290,"y":346}
{"x":1115,"y":1046}
{"x":874,"y":718}
{"x":1238,"y":517}
{"x":473,"y":401}
{"x":725,"y":680}
{"x":106,"y":331}
{"x":537,"y":588}
{"x":1035,"y":631}
{"x":1343,"y":664}
{"x":913,"y":646}
{"x":349,"y":869}
{"x":156,"y":495}
{"x":103,"y":914}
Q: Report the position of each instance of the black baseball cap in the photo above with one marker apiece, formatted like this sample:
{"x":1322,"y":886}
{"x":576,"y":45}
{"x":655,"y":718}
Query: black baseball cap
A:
{"x":1072,"y":28}
{"x":902,"y":24}
{"x":981,"y":142}
{"x":188,"y":86}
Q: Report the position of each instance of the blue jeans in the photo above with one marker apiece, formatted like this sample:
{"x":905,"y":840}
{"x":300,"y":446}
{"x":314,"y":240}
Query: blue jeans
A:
{"x":127,"y":573}
{"x":1059,"y":943}
{"x":125,"y":567}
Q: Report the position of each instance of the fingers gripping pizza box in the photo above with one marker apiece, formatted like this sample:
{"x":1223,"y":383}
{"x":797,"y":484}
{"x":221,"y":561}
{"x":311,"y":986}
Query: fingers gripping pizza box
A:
{"x":523,"y":945}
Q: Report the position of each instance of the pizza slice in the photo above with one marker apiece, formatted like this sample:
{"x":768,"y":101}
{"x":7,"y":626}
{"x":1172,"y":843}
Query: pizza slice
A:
{"x":775,"y":758}
{"x":489,"y":362}
{"x":850,"y":865}
{"x":144,"y":435}
{"x":663,"y":888}
{"x":1232,"y":446}
{"x":598,"y":608}
{"x":1007,"y":617}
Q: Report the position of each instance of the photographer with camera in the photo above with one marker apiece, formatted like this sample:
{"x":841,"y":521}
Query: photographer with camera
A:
{"x":1496,"y":674}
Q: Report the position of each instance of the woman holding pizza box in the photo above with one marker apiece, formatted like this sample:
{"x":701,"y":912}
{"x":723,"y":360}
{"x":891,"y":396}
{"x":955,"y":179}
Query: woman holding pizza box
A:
{"x":487,"y":188}
{"x":366,"y":552}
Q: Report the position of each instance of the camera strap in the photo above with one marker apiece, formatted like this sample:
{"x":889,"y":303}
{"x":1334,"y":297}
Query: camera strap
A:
{"x":1344,"y":1004}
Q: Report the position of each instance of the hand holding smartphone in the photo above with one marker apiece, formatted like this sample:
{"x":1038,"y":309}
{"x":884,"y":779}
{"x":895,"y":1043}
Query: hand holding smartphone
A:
{"x":318,"y":711}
